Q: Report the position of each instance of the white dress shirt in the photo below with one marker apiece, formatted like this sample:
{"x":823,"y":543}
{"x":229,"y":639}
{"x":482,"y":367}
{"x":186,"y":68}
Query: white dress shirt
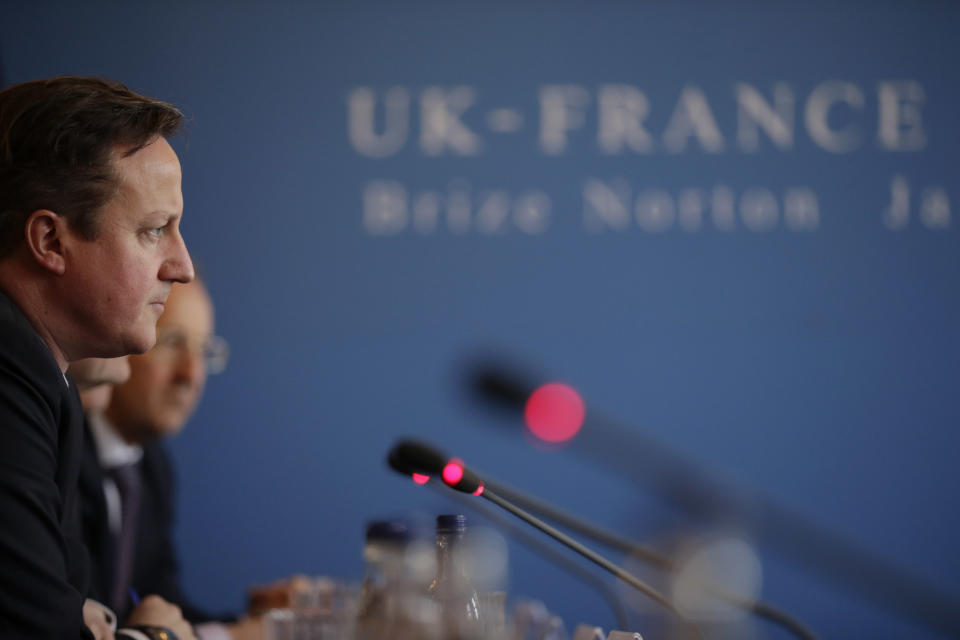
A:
{"x":112,"y":451}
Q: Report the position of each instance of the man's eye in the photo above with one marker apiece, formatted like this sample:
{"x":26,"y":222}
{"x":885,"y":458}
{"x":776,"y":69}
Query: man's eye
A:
{"x":158,"y":231}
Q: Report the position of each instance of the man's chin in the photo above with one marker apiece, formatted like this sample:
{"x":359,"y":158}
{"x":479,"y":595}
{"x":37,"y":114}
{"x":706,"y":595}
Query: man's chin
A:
{"x":170,"y":426}
{"x":140,"y":343}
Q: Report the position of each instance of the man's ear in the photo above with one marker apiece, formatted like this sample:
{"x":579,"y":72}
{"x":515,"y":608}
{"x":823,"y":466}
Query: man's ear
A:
{"x":45,"y":232}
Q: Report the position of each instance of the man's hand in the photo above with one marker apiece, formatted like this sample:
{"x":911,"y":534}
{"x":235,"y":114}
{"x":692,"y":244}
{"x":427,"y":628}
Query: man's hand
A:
{"x":156,"y":611}
{"x":276,"y":595}
{"x":95,"y":617}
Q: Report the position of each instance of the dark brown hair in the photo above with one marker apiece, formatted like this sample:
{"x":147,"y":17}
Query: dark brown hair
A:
{"x":58,"y":138}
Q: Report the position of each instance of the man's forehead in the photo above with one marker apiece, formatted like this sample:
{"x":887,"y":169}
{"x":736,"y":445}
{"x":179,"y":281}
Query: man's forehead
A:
{"x":153,"y":167}
{"x":155,"y":150}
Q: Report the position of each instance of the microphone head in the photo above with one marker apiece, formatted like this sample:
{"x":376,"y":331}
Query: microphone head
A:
{"x":411,"y":457}
{"x":500,"y":384}
{"x":457,"y":476}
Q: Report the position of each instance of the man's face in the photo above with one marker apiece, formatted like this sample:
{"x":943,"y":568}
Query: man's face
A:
{"x":116,"y":284}
{"x":166,"y":382}
{"x":94,"y":372}
{"x":95,"y":379}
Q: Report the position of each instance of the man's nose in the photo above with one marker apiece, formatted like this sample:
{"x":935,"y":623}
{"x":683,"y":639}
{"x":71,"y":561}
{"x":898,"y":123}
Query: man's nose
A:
{"x":191,"y":366}
{"x":177,"y":265}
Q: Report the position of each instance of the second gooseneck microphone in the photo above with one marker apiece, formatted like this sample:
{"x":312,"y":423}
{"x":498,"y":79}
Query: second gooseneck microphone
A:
{"x":411,"y":457}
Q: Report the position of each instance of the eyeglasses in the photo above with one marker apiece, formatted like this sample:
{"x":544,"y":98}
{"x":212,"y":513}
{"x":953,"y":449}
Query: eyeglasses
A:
{"x":215,"y":351}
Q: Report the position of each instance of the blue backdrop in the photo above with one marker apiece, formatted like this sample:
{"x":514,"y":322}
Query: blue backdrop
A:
{"x":731,"y":227}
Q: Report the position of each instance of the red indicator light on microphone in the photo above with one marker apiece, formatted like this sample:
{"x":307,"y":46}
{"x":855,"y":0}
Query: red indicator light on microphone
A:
{"x":453,"y":471}
{"x":478,"y":491}
{"x":420,"y":478}
{"x":555,"y":412}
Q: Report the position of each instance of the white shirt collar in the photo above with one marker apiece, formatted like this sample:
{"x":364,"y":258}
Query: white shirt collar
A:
{"x":112,"y":450}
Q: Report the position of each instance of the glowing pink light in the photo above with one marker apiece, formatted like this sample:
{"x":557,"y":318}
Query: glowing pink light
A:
{"x":453,"y":472}
{"x":421,"y":479}
{"x":478,"y":491}
{"x":555,"y":412}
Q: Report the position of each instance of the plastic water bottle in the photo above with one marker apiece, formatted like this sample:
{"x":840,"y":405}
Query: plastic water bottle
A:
{"x":383,"y":557}
{"x":453,"y":588}
{"x":392,"y":601}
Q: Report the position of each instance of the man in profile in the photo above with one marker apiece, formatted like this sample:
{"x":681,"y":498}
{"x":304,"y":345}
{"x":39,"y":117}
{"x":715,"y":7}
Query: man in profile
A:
{"x":131,"y":541}
{"x":90,"y":207}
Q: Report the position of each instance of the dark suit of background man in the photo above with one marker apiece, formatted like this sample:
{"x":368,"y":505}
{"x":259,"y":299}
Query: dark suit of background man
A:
{"x":161,"y":394}
{"x":90,"y":206}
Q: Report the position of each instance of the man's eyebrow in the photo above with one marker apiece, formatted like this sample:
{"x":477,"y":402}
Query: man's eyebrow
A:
{"x":167,"y":216}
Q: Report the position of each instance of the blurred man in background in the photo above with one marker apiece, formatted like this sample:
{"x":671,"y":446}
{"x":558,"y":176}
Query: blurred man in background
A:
{"x":127,"y":479}
{"x":95,"y":378}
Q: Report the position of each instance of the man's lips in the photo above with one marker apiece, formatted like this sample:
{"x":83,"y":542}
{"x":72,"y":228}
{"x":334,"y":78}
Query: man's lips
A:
{"x":161,"y":302}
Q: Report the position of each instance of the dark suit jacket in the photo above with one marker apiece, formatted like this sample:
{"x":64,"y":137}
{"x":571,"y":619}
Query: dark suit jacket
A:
{"x":155,"y":567}
{"x":43,"y":567}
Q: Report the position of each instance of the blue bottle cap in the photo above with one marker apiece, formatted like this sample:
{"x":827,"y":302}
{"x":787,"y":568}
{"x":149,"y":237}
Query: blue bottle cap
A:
{"x":388,"y":530}
{"x":451,"y":523}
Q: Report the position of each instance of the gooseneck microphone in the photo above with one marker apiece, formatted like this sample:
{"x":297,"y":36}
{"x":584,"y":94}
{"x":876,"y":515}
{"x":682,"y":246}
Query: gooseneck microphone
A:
{"x":648,"y":555}
{"x":411,"y":457}
{"x":652,"y":465}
